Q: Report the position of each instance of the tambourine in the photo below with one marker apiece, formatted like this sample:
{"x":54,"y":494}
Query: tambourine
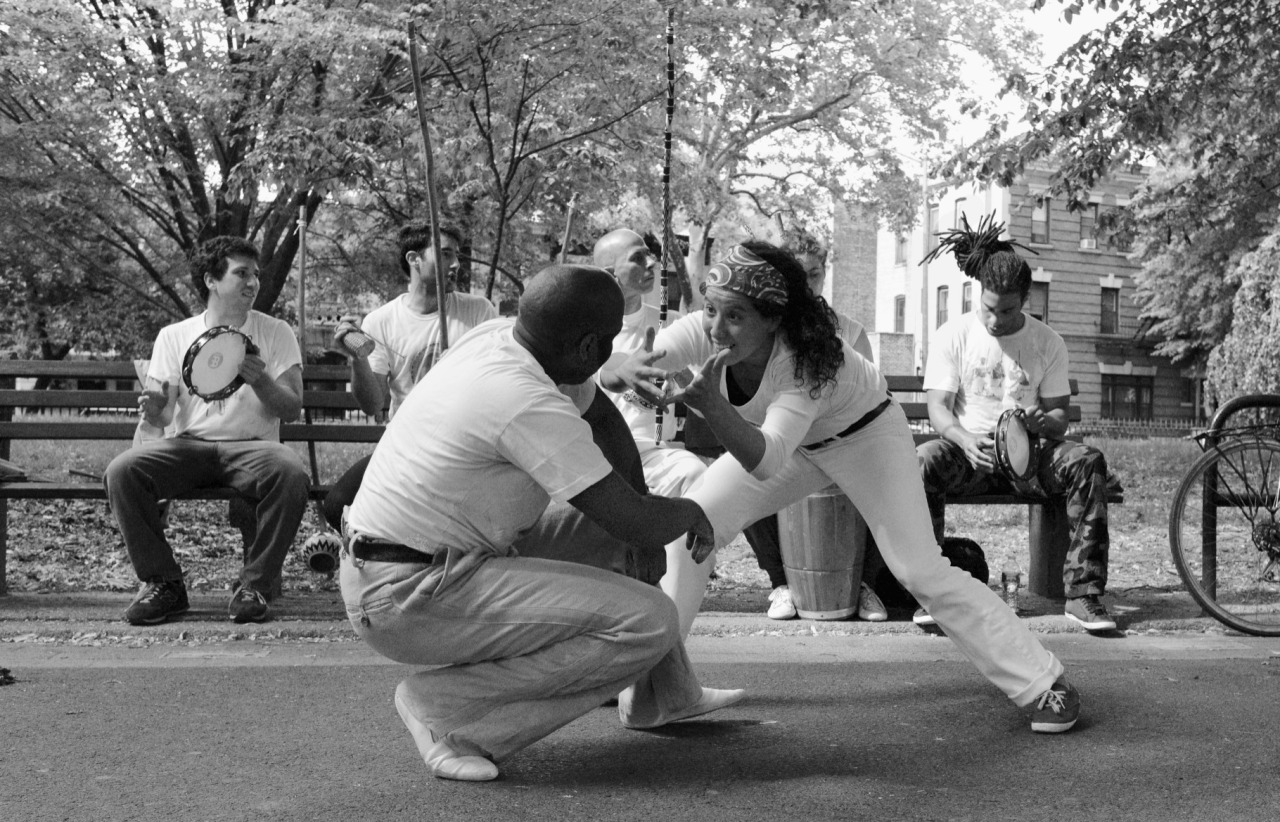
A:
{"x":1017,"y":450}
{"x":211,"y":367}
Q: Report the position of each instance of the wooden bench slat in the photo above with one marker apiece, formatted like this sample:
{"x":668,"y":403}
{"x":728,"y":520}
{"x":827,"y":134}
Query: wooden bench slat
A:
{"x":124,"y":430}
{"x":127,"y":401}
{"x":119,"y":370}
{"x":95,"y":491}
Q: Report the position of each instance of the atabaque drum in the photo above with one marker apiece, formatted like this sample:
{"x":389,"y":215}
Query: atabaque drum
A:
{"x":824,"y":542}
{"x":211,"y":367}
{"x":1017,"y":450}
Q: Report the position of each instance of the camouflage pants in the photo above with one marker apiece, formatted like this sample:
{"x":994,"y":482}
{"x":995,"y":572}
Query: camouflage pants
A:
{"x":1070,"y":469}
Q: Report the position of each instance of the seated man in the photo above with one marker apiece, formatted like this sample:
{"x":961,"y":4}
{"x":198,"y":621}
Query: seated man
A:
{"x":668,"y":468}
{"x":233,"y":442}
{"x":430,"y":577}
{"x":996,"y":358}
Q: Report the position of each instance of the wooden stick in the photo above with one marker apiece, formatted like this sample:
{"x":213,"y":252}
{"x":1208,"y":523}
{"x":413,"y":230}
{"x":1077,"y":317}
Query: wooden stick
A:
{"x":432,"y":206}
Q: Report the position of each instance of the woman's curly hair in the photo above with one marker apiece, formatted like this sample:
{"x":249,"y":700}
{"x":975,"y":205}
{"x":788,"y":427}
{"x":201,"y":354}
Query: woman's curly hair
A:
{"x":811,"y":327}
{"x":982,"y":255}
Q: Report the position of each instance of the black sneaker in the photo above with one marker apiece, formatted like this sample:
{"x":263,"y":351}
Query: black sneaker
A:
{"x":248,"y":605}
{"x":157,"y":602}
{"x":1089,"y":612}
{"x":1057,"y":709}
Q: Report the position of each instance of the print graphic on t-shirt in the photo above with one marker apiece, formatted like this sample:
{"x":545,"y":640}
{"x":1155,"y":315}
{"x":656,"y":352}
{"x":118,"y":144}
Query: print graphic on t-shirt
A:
{"x":986,"y":381}
{"x":420,"y":362}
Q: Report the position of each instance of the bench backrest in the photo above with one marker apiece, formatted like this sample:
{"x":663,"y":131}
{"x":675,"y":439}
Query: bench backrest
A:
{"x":333,"y":413}
{"x":918,"y":410}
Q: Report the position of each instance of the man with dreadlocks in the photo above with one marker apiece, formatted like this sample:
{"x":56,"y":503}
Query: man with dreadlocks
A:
{"x":996,"y":358}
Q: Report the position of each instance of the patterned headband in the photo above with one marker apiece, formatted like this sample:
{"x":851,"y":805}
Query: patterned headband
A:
{"x":741,"y":271}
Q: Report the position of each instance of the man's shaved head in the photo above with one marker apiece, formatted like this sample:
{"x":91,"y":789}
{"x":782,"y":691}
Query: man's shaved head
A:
{"x":562,"y":305}
{"x":613,"y":245}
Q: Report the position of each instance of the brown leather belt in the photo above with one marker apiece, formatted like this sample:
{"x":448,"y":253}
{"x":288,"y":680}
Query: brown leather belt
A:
{"x":370,"y":551}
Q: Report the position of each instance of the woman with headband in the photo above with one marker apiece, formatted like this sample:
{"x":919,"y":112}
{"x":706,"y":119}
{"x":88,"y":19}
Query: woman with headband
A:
{"x":797,"y":410}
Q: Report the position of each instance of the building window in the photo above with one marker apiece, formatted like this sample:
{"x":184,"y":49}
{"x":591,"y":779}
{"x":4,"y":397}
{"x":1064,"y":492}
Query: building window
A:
{"x":899,"y":314}
{"x":1089,"y":226}
{"x":900,"y":249}
{"x":1110,"y":321}
{"x":1190,"y":391}
{"x":1127,"y":397}
{"x":966,"y":298}
{"x":1040,"y":221}
{"x":932,"y":228}
{"x":956,"y":220}
{"x":943,"y":294}
{"x":1038,"y":302}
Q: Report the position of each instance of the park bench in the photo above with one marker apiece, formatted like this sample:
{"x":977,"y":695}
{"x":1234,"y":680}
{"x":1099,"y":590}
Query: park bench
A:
{"x":1048,"y":534}
{"x":98,"y":400}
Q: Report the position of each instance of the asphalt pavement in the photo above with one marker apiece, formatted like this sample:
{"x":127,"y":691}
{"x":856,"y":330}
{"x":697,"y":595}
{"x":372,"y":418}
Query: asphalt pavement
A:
{"x":200,"y":719}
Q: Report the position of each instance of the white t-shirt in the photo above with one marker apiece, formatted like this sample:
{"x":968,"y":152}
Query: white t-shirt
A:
{"x":242,"y":416}
{"x":639,"y":415}
{"x":990,"y":375}
{"x":473,"y":458}
{"x":784,"y":411}
{"x":408,"y":343}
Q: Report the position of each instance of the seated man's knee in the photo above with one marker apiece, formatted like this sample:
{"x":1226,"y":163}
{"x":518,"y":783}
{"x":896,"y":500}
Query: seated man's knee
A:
{"x":122,"y":471}
{"x":933,"y":458}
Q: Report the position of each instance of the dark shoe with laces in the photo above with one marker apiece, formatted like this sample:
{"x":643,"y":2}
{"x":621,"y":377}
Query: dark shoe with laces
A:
{"x":1057,"y":709}
{"x":157,"y":602}
{"x":248,"y":605}
{"x":1089,"y":612}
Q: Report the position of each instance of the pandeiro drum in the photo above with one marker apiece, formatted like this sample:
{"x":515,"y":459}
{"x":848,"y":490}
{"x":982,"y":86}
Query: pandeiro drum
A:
{"x":211,"y":367}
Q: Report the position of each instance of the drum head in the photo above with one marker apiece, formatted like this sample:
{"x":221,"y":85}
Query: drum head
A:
{"x":211,"y":367}
{"x":1014,"y":451}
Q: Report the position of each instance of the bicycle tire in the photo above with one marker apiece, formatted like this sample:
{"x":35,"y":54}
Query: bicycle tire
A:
{"x":1224,"y":509}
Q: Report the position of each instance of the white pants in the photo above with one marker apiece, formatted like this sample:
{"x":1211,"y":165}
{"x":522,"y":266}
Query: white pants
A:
{"x":876,"y":468}
{"x":671,"y":472}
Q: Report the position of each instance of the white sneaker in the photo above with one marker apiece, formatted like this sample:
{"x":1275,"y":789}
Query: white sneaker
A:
{"x":870,"y":608}
{"x":780,"y":604}
{"x":923,"y":619}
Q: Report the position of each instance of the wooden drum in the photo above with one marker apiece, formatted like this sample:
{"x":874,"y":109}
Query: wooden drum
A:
{"x":824,"y":541}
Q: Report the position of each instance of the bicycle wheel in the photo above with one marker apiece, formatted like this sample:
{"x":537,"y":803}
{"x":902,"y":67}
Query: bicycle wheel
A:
{"x":1225,"y":534}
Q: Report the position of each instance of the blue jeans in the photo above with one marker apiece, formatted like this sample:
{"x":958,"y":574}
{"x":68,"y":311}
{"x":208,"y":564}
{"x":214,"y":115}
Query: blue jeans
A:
{"x":268,"y":474}
{"x":528,"y":645}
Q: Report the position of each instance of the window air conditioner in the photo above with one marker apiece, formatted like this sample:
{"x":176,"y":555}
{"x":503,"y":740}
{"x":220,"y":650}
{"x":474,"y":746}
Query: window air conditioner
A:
{"x":1088,"y":242}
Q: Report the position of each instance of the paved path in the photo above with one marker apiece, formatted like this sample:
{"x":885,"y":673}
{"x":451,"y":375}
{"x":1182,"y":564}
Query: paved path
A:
{"x":203,"y":720}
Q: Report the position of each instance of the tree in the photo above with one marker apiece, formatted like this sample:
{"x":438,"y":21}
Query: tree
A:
{"x":1186,"y":89}
{"x":537,"y":100}
{"x":161,"y":124}
{"x":789,"y":104}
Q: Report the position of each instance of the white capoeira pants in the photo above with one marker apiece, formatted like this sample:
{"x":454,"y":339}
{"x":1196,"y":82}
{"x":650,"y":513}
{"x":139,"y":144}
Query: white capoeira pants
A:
{"x":671,"y":472}
{"x":876,"y":468}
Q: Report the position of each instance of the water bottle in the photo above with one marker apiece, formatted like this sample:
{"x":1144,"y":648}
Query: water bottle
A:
{"x":1010,"y":581}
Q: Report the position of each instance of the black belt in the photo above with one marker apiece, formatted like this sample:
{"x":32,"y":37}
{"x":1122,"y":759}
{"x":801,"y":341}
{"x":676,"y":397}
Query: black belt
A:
{"x":369,"y":551}
{"x":862,"y":422}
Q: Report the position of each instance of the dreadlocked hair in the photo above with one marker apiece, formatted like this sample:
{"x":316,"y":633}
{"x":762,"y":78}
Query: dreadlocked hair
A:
{"x":810,"y":326}
{"x":983,"y":256}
